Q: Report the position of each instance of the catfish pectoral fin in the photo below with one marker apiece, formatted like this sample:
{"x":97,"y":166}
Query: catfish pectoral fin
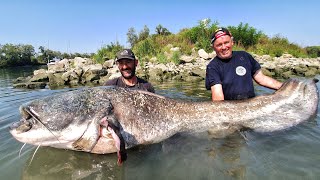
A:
{"x":122,"y":156}
{"x":113,"y":125}
{"x":78,"y":145}
{"x":89,"y":138}
{"x":83,"y":144}
{"x":119,"y":143}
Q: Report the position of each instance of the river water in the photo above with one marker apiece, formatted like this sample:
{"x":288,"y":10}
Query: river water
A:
{"x":289,"y":154}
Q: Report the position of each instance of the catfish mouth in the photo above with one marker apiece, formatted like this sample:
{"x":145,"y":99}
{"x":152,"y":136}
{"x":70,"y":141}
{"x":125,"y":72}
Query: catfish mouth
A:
{"x":28,"y":120}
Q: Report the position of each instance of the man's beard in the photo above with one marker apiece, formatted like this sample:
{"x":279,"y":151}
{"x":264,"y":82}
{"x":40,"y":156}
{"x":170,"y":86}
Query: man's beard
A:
{"x":133,"y":72}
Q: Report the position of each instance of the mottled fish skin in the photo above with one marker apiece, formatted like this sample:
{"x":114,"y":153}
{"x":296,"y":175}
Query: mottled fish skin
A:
{"x":146,"y":118}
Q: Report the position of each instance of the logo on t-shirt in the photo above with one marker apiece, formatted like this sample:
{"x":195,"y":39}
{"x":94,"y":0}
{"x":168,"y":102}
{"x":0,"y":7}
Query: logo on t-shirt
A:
{"x":241,"y":71}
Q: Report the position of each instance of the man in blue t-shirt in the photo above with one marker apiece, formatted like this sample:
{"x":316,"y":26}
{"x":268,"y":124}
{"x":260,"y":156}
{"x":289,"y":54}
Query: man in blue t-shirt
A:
{"x":229,"y":75}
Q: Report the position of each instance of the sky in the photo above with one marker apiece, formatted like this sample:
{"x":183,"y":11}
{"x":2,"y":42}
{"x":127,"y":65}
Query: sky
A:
{"x":85,"y":26}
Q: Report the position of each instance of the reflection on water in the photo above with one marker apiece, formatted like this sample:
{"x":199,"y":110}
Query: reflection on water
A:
{"x":50,"y":163}
{"x":290,"y":154}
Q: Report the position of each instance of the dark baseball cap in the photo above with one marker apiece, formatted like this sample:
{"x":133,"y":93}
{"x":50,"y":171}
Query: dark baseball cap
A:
{"x":125,"y":54}
{"x":218,"y":33}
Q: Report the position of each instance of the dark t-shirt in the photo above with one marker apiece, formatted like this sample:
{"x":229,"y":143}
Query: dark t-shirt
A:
{"x":141,"y":84}
{"x":235,"y":75}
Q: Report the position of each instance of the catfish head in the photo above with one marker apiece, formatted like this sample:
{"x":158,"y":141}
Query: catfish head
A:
{"x":76,"y":120}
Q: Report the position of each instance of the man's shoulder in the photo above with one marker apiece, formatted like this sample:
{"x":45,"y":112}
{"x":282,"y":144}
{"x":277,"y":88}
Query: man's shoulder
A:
{"x":140,"y":80}
{"x":111,"y":82}
{"x":240,"y":53}
{"x":146,"y":85}
{"x":214,"y":62}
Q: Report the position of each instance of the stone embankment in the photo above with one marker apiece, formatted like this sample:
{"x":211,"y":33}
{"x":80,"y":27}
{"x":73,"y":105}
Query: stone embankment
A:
{"x":83,"y":71}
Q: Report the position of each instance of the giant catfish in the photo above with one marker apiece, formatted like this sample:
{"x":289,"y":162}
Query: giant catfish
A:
{"x":96,"y":119}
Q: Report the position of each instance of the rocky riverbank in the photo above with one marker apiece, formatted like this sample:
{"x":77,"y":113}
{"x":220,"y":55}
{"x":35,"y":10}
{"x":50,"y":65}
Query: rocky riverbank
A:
{"x":83,"y":71}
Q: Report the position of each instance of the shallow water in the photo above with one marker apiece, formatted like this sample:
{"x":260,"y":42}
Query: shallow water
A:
{"x":290,"y":154}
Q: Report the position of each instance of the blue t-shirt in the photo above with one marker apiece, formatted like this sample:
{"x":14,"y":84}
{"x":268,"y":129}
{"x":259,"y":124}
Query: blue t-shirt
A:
{"x":235,"y":75}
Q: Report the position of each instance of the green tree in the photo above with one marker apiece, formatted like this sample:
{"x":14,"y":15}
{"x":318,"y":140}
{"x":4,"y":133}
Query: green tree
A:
{"x":160,"y":30}
{"x":132,"y":37}
{"x":46,"y":55}
{"x":313,"y":51}
{"x":200,"y":35}
{"x":144,"y":34}
{"x":16,"y":55}
{"x":66,"y":56}
{"x":27,"y":53}
{"x":107,"y":52}
{"x":145,"y":48}
{"x":244,"y":35}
